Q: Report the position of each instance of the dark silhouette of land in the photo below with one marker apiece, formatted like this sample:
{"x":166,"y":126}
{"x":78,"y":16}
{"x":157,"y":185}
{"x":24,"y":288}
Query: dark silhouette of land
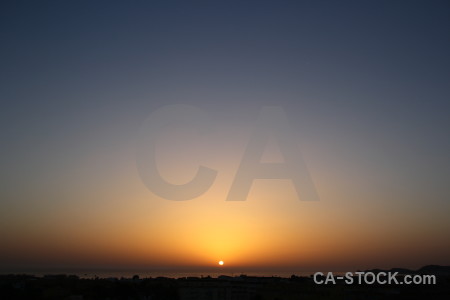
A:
{"x":71,"y":287}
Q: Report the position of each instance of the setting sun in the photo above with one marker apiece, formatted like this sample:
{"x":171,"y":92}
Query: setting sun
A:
{"x":221,"y":263}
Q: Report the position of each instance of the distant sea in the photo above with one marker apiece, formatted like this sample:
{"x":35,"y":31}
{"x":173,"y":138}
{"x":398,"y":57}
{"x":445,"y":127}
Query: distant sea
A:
{"x":102,"y":273}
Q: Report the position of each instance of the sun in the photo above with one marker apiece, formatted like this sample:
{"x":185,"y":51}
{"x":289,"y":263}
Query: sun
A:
{"x":221,"y":263}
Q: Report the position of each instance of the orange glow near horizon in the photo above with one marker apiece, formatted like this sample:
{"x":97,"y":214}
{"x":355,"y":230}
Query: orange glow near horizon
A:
{"x":118,"y":222}
{"x":272,"y":229}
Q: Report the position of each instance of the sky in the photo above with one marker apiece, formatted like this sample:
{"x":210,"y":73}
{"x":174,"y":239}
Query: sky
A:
{"x":363,"y":85}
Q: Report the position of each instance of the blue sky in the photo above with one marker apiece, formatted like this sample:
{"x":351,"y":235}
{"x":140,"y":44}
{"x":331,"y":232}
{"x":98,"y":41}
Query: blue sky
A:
{"x":365,"y":83}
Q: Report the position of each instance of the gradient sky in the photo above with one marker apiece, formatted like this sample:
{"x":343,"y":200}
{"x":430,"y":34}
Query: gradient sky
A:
{"x":365,"y":84}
